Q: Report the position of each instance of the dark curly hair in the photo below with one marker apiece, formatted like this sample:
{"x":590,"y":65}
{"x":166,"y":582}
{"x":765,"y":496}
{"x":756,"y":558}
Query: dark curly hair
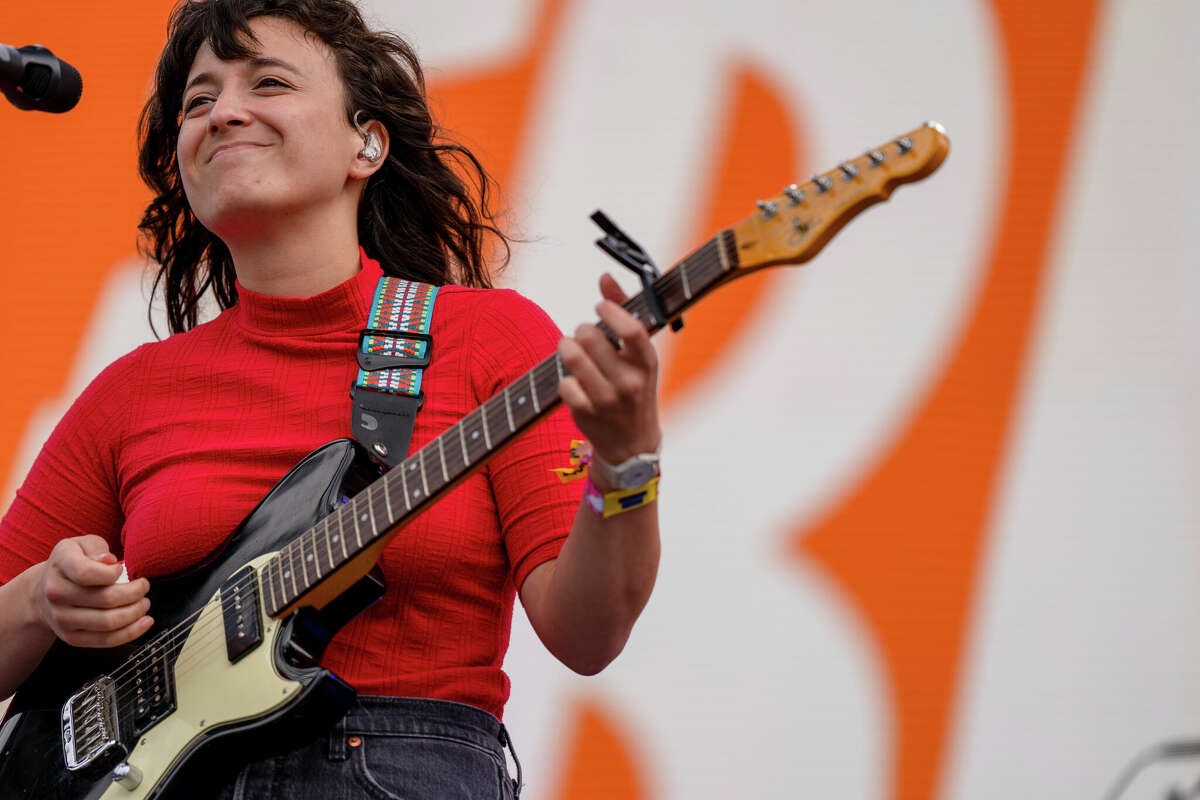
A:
{"x":425,"y":214}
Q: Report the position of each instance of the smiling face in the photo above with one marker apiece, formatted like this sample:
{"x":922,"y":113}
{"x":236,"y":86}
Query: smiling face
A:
{"x":266,"y":138}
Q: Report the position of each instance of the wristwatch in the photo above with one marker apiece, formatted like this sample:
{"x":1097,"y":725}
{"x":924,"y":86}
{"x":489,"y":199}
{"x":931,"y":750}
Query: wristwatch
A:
{"x":633,"y":472}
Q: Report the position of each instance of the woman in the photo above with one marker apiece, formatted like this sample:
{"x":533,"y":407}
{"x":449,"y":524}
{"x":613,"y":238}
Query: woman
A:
{"x":293,"y":161}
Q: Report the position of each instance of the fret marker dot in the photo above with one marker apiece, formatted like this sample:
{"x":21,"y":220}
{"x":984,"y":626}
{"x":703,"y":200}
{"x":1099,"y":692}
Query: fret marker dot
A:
{"x":335,"y":537}
{"x":363,"y":517}
{"x":475,"y":435}
{"x":413,"y":468}
{"x":416,"y":492}
{"x":287,"y":573}
{"x":309,"y":557}
{"x":521,"y":400}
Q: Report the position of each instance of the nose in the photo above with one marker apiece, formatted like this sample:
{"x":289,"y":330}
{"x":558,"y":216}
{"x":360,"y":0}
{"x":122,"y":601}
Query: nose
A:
{"x":228,"y":110}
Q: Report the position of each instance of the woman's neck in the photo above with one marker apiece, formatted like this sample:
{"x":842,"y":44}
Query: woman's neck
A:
{"x":301,"y":259}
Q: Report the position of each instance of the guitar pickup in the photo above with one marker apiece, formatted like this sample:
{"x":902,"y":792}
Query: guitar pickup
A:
{"x":153,"y":684}
{"x":240,"y":611}
{"x":90,"y":736}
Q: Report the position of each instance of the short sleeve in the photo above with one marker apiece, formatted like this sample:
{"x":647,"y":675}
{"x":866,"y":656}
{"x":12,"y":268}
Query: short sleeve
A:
{"x":71,"y":489}
{"x":511,"y":336}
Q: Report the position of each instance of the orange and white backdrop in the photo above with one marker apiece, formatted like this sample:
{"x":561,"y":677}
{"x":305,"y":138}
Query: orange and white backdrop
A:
{"x":930,"y":512}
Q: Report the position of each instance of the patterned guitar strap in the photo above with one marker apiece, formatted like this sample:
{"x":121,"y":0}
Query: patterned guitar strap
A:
{"x":393,"y":352}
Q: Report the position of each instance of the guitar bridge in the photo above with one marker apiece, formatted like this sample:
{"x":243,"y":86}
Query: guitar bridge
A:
{"x":90,"y":734}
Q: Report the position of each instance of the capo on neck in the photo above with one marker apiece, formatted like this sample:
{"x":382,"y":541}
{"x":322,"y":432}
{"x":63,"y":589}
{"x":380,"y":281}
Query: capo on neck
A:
{"x":630,"y":254}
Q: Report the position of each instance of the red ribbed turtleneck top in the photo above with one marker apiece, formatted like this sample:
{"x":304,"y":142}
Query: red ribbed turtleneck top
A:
{"x":172,"y":445}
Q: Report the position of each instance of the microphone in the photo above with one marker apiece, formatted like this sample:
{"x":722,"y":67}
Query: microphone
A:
{"x":34,"y":79}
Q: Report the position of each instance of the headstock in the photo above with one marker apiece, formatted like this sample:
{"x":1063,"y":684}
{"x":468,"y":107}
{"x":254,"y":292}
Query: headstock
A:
{"x":793,"y":226}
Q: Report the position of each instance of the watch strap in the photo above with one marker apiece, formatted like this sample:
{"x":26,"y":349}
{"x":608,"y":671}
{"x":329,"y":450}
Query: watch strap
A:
{"x":613,"y":473}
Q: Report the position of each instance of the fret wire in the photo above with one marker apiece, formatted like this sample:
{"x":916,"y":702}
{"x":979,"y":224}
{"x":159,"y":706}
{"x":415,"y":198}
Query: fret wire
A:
{"x":371,"y":511}
{"x":342,"y":532}
{"x":264,"y":576}
{"x":474,"y":423}
{"x":291,"y":571}
{"x":387,"y":501}
{"x":271,"y":584}
{"x":404,"y":483}
{"x":537,"y":407}
{"x":559,"y":365}
{"x":297,"y":567}
{"x":284,"y":557}
{"x":328,"y":544}
{"x":508,"y":410}
{"x":305,"y":559}
{"x":705,"y":263}
{"x":551,"y":377}
{"x":442,"y":453}
{"x":487,"y":439}
{"x":354,"y":519}
{"x":311,"y":557}
{"x":537,"y":384}
{"x":311,"y":536}
{"x":462,"y":439}
{"x":424,"y":480}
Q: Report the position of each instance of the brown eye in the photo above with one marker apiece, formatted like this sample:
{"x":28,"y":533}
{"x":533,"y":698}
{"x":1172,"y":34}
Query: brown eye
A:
{"x":192,"y":104}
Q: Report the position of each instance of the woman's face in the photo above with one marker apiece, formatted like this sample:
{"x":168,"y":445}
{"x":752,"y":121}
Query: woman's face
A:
{"x":265,"y":138}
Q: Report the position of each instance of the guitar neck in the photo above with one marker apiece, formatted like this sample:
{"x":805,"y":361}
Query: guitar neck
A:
{"x":373,"y":516}
{"x":790,"y":228}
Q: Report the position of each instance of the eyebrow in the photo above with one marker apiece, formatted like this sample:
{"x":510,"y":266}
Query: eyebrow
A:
{"x":256,"y":62}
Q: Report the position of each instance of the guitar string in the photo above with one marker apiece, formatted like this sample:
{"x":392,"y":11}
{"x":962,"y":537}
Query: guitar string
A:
{"x":309,"y":548}
{"x":308,"y":539}
{"x":702,"y":260}
{"x":705,"y":258}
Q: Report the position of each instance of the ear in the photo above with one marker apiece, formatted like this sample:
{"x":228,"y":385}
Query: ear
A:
{"x":362,"y":167}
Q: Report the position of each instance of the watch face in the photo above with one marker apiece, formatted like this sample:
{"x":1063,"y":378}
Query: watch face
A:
{"x":636,"y":475}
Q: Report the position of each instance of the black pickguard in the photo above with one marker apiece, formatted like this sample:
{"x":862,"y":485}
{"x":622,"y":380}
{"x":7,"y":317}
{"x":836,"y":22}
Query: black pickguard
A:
{"x":31,"y":750}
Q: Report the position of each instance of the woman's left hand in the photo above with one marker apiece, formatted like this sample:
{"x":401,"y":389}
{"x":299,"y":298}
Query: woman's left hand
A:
{"x":612,"y":394}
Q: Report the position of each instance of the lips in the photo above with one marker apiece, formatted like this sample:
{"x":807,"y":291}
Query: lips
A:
{"x":233,"y":146}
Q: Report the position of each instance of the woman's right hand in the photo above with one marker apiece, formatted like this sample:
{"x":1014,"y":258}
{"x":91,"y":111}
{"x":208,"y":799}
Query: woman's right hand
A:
{"x":78,"y":598}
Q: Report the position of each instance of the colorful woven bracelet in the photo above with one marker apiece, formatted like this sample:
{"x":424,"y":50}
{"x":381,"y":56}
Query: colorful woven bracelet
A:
{"x":618,"y":502}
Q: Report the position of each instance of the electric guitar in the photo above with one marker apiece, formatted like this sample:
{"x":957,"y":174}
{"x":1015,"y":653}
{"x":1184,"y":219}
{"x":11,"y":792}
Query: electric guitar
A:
{"x":231,"y":671}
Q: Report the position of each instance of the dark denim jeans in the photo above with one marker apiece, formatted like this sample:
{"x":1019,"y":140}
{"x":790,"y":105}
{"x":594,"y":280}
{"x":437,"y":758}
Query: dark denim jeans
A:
{"x":387,"y":748}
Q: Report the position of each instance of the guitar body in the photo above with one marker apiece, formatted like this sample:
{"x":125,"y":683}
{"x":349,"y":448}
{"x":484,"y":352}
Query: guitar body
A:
{"x":221,"y":713}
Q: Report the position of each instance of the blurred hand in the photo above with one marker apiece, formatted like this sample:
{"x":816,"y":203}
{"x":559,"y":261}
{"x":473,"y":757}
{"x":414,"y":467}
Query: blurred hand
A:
{"x":77,"y":596}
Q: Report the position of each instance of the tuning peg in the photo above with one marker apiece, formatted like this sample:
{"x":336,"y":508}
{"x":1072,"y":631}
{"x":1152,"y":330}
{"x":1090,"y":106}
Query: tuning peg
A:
{"x":795,"y":194}
{"x":905,"y":144}
{"x":876,"y":157}
{"x":768,"y":208}
{"x":850,"y":171}
{"x":823,"y":183}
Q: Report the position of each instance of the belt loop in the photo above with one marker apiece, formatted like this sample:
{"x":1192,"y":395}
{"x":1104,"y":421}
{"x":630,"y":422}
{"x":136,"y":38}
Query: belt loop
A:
{"x":506,"y":741}
{"x":337,"y":742}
